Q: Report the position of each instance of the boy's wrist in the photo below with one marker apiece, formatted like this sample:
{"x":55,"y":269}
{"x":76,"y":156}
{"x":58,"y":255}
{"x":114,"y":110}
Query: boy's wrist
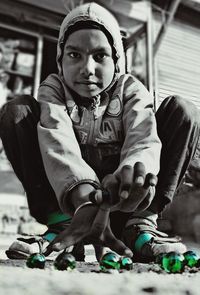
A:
{"x":80,"y":194}
{"x":83,"y":205}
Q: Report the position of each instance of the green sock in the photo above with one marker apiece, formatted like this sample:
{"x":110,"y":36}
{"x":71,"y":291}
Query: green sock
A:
{"x":57,"y":217}
{"x":53,"y":219}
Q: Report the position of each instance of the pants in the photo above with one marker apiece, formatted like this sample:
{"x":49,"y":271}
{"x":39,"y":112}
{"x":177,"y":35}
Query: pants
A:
{"x":178,"y":129}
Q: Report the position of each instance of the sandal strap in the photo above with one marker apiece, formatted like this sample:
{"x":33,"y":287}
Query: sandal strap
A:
{"x":47,"y":236}
{"x":36,"y":239}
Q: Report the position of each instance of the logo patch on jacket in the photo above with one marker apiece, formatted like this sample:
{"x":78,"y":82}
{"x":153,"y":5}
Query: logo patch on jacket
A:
{"x":114,"y":107}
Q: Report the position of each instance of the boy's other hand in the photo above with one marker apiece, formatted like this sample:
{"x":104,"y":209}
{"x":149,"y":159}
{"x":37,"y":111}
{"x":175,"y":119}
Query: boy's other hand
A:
{"x":90,"y":224}
{"x":131,"y":190}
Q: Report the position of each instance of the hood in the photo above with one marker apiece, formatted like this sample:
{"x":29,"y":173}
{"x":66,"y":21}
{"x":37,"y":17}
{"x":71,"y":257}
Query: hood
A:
{"x":95,"y":13}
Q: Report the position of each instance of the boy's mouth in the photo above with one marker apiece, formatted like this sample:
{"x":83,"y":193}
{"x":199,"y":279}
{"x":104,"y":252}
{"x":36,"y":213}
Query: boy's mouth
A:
{"x":87,"y":82}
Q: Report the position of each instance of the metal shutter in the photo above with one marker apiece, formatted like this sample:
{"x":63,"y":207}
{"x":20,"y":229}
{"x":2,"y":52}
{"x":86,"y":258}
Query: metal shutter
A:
{"x":178,"y":63}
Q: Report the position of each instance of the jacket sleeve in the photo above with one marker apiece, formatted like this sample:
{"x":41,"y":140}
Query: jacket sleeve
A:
{"x":64,"y":165}
{"x":141,"y":143}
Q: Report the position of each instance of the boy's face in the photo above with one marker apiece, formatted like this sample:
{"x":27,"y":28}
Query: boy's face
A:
{"x":87,"y":64}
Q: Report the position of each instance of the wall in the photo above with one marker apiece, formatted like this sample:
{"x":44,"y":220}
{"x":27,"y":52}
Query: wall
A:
{"x":178,"y":62}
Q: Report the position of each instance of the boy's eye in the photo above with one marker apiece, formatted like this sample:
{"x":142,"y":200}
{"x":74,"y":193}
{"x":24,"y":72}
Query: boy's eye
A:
{"x":100,"y":56}
{"x":73,"y":54}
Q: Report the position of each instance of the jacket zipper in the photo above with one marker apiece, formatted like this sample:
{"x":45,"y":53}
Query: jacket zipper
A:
{"x":94,"y":116}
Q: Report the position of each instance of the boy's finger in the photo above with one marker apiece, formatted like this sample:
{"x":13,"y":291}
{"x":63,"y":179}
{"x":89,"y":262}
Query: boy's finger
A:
{"x":98,"y":251}
{"x":139,"y":173}
{"x":126,"y":180}
{"x":76,"y":231}
{"x":151,"y":180}
{"x":99,"y":196}
{"x":96,"y":197}
{"x":116,"y":245}
{"x":60,"y":243}
{"x":101,"y":220}
{"x":110,"y":185}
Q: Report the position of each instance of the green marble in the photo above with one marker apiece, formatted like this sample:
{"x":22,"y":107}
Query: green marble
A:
{"x":173,"y":262}
{"x":65,"y":261}
{"x":191,"y":259}
{"x":110,"y":260}
{"x":126,"y":263}
{"x":36,"y":260}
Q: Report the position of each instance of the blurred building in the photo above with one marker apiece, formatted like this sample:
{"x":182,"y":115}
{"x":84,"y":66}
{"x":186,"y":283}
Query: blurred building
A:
{"x":177,"y":63}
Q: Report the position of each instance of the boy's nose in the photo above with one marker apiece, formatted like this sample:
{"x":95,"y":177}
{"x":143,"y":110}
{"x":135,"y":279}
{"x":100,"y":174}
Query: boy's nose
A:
{"x":88,"y":67}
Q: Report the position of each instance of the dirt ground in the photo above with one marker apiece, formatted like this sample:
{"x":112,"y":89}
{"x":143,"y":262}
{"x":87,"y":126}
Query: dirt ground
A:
{"x":17,"y":279}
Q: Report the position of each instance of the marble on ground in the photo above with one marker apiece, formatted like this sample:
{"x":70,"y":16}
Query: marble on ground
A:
{"x":17,"y":279}
{"x":87,"y":279}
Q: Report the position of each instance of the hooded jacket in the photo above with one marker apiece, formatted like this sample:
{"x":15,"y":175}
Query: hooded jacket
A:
{"x":82,"y":143}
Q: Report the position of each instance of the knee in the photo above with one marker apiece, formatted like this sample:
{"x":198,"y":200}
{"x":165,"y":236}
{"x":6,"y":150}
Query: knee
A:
{"x":17,"y":109}
{"x":183,"y":108}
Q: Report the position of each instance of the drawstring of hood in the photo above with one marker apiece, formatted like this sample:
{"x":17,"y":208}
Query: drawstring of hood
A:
{"x":95,"y":105}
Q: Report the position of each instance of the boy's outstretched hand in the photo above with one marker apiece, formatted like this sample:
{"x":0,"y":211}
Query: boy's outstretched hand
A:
{"x":132,"y":189}
{"x":90,"y":224}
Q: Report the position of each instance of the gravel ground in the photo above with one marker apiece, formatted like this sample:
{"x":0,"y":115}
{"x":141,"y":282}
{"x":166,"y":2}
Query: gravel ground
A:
{"x":16,"y":278}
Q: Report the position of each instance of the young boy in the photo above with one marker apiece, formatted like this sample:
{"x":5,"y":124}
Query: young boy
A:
{"x":89,"y":149}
